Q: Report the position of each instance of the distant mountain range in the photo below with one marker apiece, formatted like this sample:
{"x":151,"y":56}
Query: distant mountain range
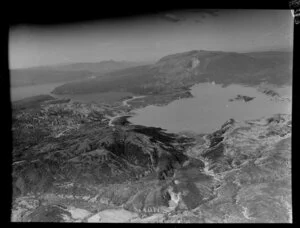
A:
{"x":65,"y":72}
{"x":185,"y":69}
{"x":98,"y":67}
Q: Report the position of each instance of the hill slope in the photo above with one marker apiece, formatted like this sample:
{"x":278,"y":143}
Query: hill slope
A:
{"x":185,"y":69}
{"x":65,"y":72}
{"x":70,"y":165}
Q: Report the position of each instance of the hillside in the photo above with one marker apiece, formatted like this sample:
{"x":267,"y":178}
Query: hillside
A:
{"x":31,"y":102}
{"x":98,"y":67}
{"x":185,"y":69}
{"x":64,"y":72}
{"x":70,"y":165}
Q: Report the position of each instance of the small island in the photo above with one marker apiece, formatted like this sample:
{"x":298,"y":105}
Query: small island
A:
{"x":270,"y":92}
{"x":241,"y":98}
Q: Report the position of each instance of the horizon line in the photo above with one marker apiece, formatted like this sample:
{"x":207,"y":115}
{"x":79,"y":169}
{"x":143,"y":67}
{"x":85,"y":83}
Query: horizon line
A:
{"x":132,"y":61}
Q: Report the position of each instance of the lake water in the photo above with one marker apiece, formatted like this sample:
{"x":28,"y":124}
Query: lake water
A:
{"x":210,"y":108}
{"x":18,"y":93}
{"x":204,"y":113}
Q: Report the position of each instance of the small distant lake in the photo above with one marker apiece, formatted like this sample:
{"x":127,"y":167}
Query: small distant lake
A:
{"x":210,"y":108}
{"x":18,"y":93}
{"x":106,"y":97}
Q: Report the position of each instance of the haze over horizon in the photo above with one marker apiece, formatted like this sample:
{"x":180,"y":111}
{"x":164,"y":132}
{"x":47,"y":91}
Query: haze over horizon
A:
{"x":149,"y":38}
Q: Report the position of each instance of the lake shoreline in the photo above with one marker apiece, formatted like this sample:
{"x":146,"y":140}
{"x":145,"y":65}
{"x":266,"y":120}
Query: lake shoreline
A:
{"x":135,"y":103}
{"x":277,"y":105}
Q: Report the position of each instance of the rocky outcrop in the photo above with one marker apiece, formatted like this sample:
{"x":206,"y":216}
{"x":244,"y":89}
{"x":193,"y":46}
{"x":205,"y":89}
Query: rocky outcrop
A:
{"x":242,"y":98}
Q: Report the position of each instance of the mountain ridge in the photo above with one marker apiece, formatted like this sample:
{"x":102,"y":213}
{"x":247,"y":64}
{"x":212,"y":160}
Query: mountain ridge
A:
{"x":188,"y":68}
{"x":65,"y":72}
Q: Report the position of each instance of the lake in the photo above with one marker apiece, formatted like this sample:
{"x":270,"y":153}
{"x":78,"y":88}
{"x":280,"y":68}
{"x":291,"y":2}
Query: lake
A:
{"x":18,"y":93}
{"x":204,"y":113}
{"x":210,"y":108}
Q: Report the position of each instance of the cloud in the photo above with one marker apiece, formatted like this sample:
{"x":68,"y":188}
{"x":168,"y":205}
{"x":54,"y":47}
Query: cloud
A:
{"x":195,"y":15}
{"x":200,"y":14}
{"x":172,"y":17}
{"x":198,"y":21}
{"x":211,"y":12}
{"x":157,"y":45}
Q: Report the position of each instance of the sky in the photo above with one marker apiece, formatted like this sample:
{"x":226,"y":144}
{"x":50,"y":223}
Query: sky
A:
{"x":151,"y":37}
